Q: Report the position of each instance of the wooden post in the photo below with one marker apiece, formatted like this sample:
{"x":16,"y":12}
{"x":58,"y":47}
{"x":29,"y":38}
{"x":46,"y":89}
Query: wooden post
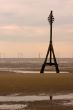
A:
{"x":50,"y":49}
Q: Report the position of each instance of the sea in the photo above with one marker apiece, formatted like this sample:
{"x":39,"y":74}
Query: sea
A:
{"x":34,"y":64}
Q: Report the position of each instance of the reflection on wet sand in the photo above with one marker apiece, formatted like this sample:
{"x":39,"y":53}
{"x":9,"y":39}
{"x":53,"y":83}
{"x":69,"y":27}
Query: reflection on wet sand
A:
{"x":12,"y":106}
{"x":32,"y":98}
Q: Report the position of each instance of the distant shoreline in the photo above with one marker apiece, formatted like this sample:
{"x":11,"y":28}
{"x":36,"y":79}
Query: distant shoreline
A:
{"x":35,"y":64}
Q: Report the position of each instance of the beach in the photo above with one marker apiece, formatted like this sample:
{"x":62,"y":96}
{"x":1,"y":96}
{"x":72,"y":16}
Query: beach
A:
{"x":30,"y":84}
{"x":22,"y":87}
{"x":11,"y":82}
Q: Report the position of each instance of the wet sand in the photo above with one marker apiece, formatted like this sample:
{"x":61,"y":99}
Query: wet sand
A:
{"x":46,"y":105}
{"x":38,"y":105}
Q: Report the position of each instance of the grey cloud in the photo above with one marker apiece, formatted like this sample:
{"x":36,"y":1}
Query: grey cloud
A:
{"x":35,"y":13}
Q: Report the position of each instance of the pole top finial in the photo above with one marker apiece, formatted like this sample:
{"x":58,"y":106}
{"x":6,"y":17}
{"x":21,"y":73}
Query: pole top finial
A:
{"x":51,"y":18}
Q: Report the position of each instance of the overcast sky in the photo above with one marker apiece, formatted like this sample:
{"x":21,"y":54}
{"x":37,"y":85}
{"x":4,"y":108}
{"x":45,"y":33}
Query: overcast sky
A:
{"x":24,"y":28}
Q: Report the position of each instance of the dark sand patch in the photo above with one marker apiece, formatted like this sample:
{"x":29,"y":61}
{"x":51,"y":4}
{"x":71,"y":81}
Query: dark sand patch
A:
{"x":47,"y":105}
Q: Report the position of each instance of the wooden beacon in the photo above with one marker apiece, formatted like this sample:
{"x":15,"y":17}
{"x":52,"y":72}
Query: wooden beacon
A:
{"x":52,"y":58}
